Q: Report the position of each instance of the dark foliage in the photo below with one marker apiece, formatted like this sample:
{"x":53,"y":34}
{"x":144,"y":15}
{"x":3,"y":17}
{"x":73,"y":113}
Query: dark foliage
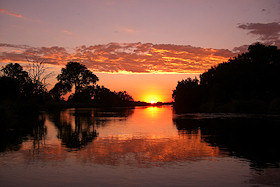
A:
{"x":59,"y":90}
{"x":27,"y":88}
{"x":101,"y":96}
{"x":247,"y":83}
{"x":9,"y":87}
{"x":76,"y":74}
{"x":187,"y":95}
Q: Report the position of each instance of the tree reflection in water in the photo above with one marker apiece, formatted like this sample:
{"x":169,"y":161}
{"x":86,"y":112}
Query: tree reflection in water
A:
{"x":17,"y":130}
{"x":77,"y":127}
{"x":251,"y":137}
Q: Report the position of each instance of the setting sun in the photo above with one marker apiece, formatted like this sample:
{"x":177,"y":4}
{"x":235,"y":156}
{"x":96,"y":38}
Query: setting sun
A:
{"x":152,"y":99}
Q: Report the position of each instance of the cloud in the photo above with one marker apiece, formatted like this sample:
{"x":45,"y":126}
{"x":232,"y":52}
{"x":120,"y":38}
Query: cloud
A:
{"x":10,"y":13}
{"x":267,"y":32}
{"x":241,"y":49}
{"x":124,"y":57}
{"x":5,"y":45}
{"x":122,"y":29}
{"x":67,"y":32}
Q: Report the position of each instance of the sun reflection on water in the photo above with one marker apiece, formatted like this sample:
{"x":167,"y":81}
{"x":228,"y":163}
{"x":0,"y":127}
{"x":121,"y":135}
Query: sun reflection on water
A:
{"x":146,"y":138}
{"x":152,"y":112}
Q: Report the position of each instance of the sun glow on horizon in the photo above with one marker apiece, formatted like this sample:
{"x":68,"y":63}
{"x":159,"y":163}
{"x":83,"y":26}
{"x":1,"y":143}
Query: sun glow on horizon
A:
{"x":152,"y":99}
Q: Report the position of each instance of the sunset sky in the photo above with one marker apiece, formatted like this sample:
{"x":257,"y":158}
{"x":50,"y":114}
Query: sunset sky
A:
{"x":141,"y":46}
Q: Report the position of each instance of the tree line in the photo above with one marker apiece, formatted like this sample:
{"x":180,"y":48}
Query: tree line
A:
{"x":22,"y":89}
{"x":248,"y":83}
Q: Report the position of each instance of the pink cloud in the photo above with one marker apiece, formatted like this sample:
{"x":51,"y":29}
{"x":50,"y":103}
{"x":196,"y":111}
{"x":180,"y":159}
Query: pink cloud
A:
{"x":123,"y":29}
{"x":10,"y":13}
{"x":67,"y":32}
{"x":125,"y":57}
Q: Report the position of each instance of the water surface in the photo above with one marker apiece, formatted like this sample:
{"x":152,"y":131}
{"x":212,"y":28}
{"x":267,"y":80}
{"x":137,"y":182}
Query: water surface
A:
{"x":145,"y":146}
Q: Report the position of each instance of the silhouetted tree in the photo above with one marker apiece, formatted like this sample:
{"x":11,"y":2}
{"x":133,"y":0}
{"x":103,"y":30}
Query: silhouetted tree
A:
{"x":246,"y":83}
{"x":187,"y":95}
{"x":19,"y":95}
{"x":59,"y":90}
{"x":105,"y":97}
{"x":31,"y":83}
{"x":86,"y":91}
{"x":77,"y":75}
{"x":124,"y":97}
{"x":85,"y":94}
{"x":21,"y":77}
{"x":15,"y":71}
{"x":38,"y":75}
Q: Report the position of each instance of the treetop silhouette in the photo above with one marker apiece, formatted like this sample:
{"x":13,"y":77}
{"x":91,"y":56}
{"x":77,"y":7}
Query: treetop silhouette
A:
{"x":86,"y":89}
{"x":76,"y":74}
{"x":246,"y":83}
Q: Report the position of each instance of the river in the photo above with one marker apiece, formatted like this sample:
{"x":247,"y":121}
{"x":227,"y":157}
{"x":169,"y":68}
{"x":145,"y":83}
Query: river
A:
{"x":142,"y":146}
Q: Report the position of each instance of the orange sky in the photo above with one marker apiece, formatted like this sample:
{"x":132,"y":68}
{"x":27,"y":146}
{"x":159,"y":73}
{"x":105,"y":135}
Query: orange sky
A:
{"x":144,"y":87}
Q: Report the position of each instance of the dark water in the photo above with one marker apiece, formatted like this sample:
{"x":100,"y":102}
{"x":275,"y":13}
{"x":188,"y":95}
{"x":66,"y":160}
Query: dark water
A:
{"x":145,"y":146}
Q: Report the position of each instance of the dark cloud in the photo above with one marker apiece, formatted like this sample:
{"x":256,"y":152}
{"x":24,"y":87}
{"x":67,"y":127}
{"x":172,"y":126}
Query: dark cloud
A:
{"x":124,"y":57}
{"x":14,"y":46}
{"x":241,"y":49}
{"x":268,"y":33}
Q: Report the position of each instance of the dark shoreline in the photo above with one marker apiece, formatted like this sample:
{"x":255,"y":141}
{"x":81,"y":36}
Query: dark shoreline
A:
{"x":61,"y":105}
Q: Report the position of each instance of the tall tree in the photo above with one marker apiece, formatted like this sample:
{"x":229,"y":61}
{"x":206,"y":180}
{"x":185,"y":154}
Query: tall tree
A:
{"x":76,"y":74}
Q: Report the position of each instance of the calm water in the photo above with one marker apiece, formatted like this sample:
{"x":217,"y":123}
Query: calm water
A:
{"x":145,"y":146}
